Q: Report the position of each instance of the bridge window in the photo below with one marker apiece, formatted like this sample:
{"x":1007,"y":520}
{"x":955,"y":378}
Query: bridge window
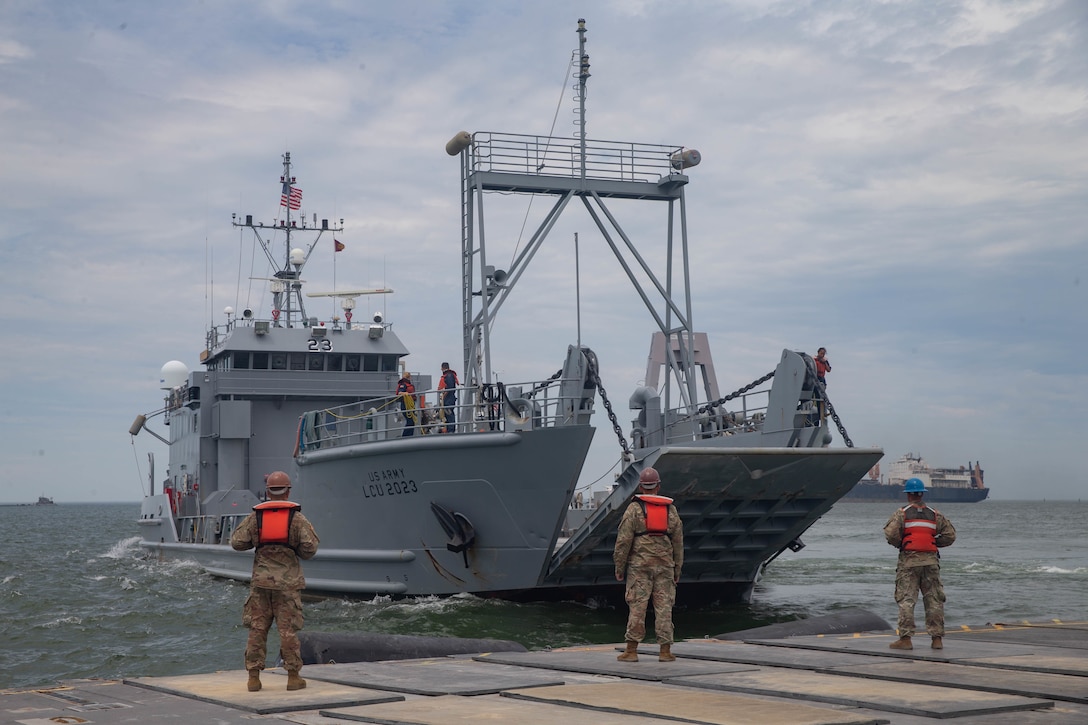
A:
{"x":352,"y":363}
{"x":241,"y":361}
{"x":335,"y":362}
{"x":316,"y":361}
{"x":298,"y":360}
{"x":279,"y":361}
{"x":260,"y":361}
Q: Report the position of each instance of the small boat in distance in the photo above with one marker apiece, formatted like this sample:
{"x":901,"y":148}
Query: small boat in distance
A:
{"x":45,"y":501}
{"x":943,"y":485}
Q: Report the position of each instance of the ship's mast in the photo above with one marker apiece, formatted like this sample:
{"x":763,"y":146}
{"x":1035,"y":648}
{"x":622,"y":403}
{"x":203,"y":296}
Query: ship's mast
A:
{"x":583,"y":76}
{"x":592,"y":173}
{"x":288,"y":309}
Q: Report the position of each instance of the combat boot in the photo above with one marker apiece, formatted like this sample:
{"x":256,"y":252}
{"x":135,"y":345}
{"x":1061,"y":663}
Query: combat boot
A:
{"x":901,"y":643}
{"x":631,"y":653}
{"x":254,"y":683}
{"x":938,"y":643}
{"x":666,"y":654}
{"x":294,"y":682}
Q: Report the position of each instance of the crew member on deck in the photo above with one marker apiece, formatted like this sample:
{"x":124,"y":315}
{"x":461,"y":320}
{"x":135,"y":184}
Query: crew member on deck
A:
{"x":447,"y":384}
{"x":405,"y":389}
{"x":823,"y":365}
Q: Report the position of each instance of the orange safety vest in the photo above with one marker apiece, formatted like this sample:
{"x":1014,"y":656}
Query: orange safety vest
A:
{"x":656,"y":511}
{"x":274,"y":521}
{"x":448,"y":380}
{"x":919,"y":529}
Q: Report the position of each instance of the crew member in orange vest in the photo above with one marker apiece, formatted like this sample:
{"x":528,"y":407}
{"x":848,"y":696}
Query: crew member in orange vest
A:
{"x":282,"y":536}
{"x":405,"y":389}
{"x":823,"y":365}
{"x":649,"y":554}
{"x":447,"y":385}
{"x":918,"y":532}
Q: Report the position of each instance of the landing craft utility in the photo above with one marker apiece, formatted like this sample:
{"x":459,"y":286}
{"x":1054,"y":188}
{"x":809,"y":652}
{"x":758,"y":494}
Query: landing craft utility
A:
{"x":487,"y":508}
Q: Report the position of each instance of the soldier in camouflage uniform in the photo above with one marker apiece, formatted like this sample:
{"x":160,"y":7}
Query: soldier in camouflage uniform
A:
{"x":649,"y":554}
{"x":282,"y":536}
{"x":918,"y":531}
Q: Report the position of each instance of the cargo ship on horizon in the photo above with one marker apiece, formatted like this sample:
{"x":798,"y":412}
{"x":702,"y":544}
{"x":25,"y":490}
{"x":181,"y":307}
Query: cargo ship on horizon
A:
{"x":964,"y":484}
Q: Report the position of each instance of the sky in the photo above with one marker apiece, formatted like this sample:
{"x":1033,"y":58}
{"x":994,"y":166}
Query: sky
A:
{"x":903,"y":183}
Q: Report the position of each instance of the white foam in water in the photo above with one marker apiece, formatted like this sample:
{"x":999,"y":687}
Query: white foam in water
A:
{"x":60,"y":622}
{"x":1059,"y":570}
{"x":122,"y":549}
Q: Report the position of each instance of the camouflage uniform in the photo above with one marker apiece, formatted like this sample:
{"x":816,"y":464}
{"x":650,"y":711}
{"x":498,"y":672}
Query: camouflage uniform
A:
{"x":651,"y":565}
{"x":274,"y":589}
{"x":919,"y":571}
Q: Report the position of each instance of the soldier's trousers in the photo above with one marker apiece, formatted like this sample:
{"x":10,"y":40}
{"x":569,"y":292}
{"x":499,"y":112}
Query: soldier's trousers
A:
{"x":261,"y":607}
{"x":643,"y":586}
{"x":449,"y":410}
{"x":927,"y":580}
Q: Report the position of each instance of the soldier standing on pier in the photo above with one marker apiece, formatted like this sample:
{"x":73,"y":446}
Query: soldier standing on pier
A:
{"x":649,"y":553}
{"x":918,"y":531}
{"x":282,"y":536}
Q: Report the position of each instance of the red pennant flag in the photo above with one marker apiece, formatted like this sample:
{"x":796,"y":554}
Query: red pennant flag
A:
{"x":339,"y":246}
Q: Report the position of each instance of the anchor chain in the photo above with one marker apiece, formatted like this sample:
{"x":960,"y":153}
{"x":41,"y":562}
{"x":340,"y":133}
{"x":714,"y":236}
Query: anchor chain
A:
{"x":540,"y":386}
{"x":735,"y":394}
{"x":596,"y":380}
{"x":834,"y":416}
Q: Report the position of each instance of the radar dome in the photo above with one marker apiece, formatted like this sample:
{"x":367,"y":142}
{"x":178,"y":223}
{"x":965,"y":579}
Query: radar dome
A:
{"x":173,"y":374}
{"x":298,"y":256}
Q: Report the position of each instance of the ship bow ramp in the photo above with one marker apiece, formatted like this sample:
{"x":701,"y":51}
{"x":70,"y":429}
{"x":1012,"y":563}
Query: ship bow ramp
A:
{"x":740,"y":507}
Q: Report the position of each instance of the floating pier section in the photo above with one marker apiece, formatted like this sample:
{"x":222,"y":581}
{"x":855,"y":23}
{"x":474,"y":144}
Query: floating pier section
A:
{"x":1022,"y":673}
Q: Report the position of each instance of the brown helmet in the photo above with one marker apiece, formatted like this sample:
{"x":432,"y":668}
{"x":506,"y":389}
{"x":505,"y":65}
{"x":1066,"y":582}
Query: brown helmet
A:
{"x":649,"y":478}
{"x":277,"y":482}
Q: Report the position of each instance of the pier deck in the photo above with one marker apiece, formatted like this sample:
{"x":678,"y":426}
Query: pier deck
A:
{"x":1016,"y":673}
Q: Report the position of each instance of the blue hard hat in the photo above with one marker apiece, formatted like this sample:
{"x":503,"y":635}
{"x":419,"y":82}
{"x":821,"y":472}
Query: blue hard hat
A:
{"x":914,"y":485}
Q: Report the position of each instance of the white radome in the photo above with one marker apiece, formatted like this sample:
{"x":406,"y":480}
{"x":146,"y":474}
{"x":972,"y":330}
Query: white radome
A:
{"x":173,"y":374}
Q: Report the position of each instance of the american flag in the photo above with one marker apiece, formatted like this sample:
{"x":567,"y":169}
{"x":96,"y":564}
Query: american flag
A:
{"x":291,"y":196}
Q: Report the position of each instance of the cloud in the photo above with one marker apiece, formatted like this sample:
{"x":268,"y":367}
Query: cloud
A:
{"x":900,"y":182}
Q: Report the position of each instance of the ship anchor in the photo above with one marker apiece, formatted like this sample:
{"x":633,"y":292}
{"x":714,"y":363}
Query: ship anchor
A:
{"x":461,"y":533}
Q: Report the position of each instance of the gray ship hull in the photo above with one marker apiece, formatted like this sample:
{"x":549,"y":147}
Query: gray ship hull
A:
{"x":372,"y":506}
{"x":482,"y":511}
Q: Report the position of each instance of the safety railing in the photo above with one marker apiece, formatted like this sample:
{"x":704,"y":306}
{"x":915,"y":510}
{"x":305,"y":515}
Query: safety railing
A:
{"x":557,"y":156}
{"x":484,"y":409}
{"x":208,"y":529}
{"x":743,"y":414}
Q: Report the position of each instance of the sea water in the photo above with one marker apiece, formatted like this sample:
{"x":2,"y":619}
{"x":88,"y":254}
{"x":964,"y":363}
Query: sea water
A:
{"x":79,"y":598}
